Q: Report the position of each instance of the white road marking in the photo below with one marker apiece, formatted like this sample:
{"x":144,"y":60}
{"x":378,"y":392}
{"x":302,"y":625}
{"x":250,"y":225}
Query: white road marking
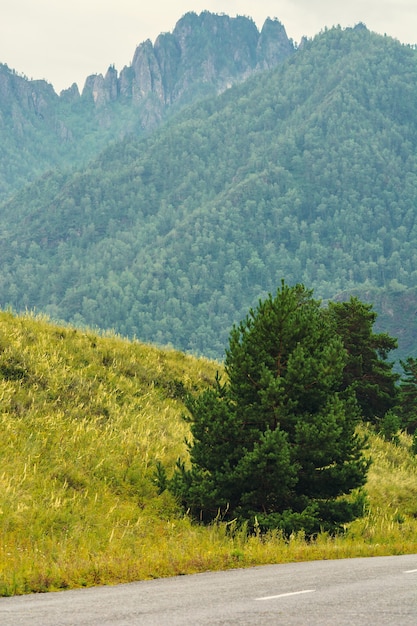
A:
{"x":285,"y":595}
{"x":410,"y":571}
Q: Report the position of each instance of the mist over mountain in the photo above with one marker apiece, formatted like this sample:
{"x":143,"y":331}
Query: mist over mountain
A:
{"x":204,"y":55}
{"x":221,"y":161}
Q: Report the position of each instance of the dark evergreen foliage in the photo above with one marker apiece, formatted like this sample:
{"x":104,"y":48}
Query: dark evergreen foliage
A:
{"x":408,"y":395}
{"x":276,"y":442}
{"x":367,"y":370}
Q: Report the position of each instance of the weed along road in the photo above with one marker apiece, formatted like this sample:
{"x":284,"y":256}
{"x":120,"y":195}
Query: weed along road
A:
{"x":351,"y":592}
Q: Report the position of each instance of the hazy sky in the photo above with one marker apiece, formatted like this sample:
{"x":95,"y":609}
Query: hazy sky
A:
{"x":63,"y":41}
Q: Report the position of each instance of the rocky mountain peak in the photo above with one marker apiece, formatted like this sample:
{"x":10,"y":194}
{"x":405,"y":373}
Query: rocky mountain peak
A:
{"x":204,"y":54}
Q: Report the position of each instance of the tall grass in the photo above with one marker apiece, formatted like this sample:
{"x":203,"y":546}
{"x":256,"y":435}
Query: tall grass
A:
{"x":83,"y":420}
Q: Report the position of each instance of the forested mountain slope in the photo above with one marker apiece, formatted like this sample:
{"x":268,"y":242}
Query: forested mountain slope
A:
{"x":203,"y":55}
{"x":307,"y":172}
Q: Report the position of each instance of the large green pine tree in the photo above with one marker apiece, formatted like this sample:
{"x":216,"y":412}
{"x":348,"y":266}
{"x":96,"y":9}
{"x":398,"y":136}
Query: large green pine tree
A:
{"x":367,"y":370}
{"x":276,"y":442}
{"x":408,"y":395}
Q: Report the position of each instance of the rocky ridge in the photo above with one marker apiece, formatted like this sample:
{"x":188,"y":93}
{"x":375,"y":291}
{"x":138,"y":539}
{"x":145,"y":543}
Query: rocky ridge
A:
{"x":204,"y":53}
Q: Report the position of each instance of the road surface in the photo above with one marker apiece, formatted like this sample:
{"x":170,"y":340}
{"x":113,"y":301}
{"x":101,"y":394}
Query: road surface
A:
{"x":373,"y":591}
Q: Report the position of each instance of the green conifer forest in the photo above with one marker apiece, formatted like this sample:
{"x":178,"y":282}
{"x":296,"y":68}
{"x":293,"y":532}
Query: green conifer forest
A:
{"x":305,"y":172}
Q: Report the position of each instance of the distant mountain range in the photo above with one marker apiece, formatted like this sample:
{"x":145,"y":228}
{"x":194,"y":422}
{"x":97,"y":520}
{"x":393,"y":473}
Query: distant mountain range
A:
{"x":167,"y":199}
{"x":204,"y":55}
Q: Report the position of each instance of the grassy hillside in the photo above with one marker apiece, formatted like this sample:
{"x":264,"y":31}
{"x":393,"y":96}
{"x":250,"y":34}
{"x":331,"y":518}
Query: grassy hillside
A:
{"x":84,"y":418}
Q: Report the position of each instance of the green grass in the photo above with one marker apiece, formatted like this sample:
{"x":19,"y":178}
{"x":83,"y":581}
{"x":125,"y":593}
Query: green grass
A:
{"x":84,"y":418}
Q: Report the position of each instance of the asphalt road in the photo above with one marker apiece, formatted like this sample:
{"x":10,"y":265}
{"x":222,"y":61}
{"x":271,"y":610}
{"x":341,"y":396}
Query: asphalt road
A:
{"x":372,"y":591}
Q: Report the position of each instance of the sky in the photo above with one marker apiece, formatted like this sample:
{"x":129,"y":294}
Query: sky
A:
{"x":64,"y":41}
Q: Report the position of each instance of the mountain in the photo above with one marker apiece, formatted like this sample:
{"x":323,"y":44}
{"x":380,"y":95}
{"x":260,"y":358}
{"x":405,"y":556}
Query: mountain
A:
{"x":204,"y":55}
{"x":306,"y":171}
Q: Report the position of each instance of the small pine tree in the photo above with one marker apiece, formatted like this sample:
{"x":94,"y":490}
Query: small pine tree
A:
{"x":276,"y":442}
{"x":390,"y":426}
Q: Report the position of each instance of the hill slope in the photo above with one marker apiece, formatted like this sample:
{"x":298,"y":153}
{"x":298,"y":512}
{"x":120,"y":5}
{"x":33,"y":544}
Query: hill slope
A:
{"x":84,"y":419}
{"x":307,"y":172}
